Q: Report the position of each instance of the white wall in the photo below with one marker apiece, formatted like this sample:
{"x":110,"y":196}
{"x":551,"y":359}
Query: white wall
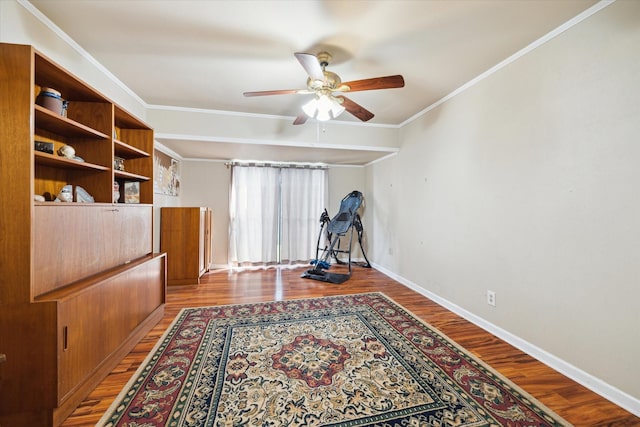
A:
{"x":527,"y":184}
{"x":342,"y":181}
{"x":206,"y":183}
{"x":161,"y":201}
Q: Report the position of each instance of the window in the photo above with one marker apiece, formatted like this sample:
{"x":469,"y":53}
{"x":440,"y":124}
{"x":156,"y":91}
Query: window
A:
{"x":275,"y":213}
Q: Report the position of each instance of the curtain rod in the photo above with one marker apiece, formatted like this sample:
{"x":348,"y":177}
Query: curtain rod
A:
{"x":276,"y":165}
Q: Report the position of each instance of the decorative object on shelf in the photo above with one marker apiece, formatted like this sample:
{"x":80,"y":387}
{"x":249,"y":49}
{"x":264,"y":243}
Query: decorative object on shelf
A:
{"x":38,"y":198}
{"x":65,"y":195}
{"x":67,"y":151}
{"x":52,"y":100}
{"x":78,"y":159}
{"x":116,"y":191}
{"x":118,"y":163}
{"x":132,"y":192}
{"x":82,"y":196}
{"x":44,"y":146}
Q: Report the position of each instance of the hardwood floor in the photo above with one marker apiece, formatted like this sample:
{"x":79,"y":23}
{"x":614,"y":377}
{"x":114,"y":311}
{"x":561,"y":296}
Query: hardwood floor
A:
{"x":568,"y":399}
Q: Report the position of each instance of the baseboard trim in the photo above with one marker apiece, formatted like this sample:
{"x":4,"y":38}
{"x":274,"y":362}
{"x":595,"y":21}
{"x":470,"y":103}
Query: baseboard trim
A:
{"x":218,"y":267}
{"x":613,"y":394}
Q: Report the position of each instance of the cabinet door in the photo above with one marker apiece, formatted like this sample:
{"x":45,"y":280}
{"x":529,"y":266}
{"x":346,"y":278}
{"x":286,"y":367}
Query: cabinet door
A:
{"x":182,"y":237}
{"x":93,"y":324}
{"x":75,"y":241}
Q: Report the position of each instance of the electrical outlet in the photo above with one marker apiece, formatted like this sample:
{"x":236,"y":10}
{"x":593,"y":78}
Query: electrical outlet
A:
{"x":491,"y":298}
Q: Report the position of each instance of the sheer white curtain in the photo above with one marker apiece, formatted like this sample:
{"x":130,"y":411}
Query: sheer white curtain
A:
{"x":304,"y":195}
{"x":275,"y":214}
{"x":254,"y":218}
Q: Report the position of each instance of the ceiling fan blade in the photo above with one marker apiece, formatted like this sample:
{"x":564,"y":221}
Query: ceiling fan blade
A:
{"x":311,"y":65}
{"x":278,"y":92}
{"x":356,"y":109}
{"x":301,"y":119}
{"x":388,"y":82}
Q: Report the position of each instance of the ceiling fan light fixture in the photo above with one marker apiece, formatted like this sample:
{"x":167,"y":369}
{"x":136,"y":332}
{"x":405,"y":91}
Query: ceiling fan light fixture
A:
{"x":337,"y":109}
{"x":323,"y":108}
{"x":311,"y":107}
{"x":323,"y":115}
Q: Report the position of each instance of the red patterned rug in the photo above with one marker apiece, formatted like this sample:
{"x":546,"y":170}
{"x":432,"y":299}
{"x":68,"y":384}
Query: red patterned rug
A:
{"x":358,"y":360}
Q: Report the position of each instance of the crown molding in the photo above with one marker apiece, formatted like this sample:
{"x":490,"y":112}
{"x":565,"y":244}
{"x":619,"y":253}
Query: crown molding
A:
{"x":542,"y":40}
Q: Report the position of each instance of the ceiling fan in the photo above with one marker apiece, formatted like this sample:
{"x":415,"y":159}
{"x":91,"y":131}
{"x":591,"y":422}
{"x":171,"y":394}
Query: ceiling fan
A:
{"x":328,"y":88}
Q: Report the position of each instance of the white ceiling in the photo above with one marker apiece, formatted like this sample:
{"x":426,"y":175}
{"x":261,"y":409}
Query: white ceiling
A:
{"x":205,"y":54}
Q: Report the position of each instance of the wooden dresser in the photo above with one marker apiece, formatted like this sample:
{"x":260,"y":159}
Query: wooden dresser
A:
{"x":185,"y":236}
{"x":79,"y":284}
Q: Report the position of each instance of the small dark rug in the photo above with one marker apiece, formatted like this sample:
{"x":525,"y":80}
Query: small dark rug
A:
{"x":357,"y":360}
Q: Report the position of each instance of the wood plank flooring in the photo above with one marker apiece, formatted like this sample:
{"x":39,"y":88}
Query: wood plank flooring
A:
{"x":570,"y":400}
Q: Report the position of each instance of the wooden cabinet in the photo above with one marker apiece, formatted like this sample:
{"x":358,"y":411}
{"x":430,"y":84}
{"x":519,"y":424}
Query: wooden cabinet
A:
{"x":81,"y":352}
{"x":185,"y":236}
{"x":79,"y":284}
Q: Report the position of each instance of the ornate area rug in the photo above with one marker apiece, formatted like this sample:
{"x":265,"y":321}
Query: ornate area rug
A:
{"x":358,"y":360}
